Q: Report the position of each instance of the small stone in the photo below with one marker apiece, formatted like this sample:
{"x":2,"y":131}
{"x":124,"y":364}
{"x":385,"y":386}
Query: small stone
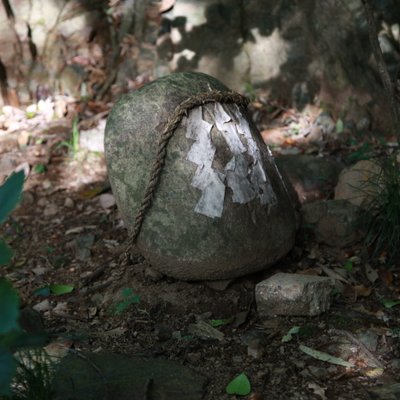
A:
{"x":333,"y":222}
{"x":294,"y":294}
{"x":69,"y":203}
{"x":50,"y":210}
{"x":107,"y":200}
{"x":318,"y":372}
{"x":27,"y":198}
{"x":205,"y":331}
{"x":193,"y":358}
{"x":23,"y":138}
{"x":39,"y":270}
{"x":153,"y":274}
{"x":42,"y":306}
{"x":46,"y":184}
{"x":93,"y":139}
{"x":42,"y":202}
{"x":359,"y":183}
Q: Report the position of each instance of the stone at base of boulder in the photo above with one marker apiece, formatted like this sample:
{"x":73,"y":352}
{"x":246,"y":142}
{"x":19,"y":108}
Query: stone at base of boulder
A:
{"x":294,"y":294}
{"x":334,"y":222}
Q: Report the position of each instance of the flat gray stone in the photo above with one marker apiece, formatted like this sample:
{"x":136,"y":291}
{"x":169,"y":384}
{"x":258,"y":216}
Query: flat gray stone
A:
{"x":294,"y":294}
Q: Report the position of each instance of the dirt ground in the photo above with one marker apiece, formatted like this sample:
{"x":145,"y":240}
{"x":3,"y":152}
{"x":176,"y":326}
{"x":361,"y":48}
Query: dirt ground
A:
{"x":63,"y":234}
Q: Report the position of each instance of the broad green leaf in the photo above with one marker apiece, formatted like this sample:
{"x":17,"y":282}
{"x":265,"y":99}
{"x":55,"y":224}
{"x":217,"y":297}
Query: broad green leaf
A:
{"x":61,"y":289}
{"x":289,"y":336}
{"x":8,"y":366}
{"x":390,"y":303}
{"x":42,"y":291}
{"x":53,"y":289}
{"x":9,"y":305}
{"x":240,"y":385}
{"x":10,"y":193}
{"x":319,"y":355}
{"x":348,"y":266}
{"x":215,"y":323}
{"x":5,"y":253}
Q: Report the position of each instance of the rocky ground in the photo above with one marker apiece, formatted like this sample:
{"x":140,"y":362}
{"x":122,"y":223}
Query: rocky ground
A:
{"x":67,"y":231}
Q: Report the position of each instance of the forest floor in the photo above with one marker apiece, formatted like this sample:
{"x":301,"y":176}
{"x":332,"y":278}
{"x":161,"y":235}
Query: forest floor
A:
{"x":68,"y":231}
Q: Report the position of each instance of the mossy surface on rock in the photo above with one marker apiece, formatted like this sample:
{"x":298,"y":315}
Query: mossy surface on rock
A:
{"x":221,"y":208}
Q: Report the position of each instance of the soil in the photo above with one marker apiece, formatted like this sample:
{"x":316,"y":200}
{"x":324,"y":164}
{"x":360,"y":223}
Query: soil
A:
{"x":78,"y":242}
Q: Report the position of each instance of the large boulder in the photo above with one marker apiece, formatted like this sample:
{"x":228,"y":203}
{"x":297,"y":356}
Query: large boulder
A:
{"x":221,"y":208}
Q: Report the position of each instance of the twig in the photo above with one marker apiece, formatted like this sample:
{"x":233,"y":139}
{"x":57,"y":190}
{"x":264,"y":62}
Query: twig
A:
{"x":382,"y":68}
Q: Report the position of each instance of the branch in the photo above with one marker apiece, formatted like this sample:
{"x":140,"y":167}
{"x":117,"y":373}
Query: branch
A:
{"x":382,"y":68}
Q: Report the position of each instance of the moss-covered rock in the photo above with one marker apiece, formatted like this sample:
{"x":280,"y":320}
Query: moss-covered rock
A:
{"x":221,"y":209}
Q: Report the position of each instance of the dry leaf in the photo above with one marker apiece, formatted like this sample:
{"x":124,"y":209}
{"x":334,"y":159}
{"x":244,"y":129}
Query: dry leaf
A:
{"x":362,"y":291}
{"x":386,"y":276}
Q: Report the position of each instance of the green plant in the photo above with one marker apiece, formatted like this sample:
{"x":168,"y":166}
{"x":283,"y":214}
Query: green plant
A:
{"x":73,"y":143}
{"x":382,"y":218}
{"x":33,"y":379}
{"x":12,"y":337}
{"x":128,"y":298}
{"x":10,"y":194}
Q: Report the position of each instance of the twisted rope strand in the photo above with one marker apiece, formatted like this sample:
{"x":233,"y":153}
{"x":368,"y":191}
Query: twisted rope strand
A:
{"x":172,"y":123}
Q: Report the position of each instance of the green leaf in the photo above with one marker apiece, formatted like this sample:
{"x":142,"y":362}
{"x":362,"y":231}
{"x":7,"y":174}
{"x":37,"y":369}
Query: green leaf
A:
{"x":348,"y":266}
{"x":339,"y":126}
{"x":9,"y":305}
{"x":39,"y":168}
{"x":240,"y":385}
{"x":215,"y":323}
{"x":61,"y":289}
{"x":127,"y":291}
{"x":129,"y":298}
{"x":53,"y":289}
{"x":5,"y":253}
{"x":8,"y":366}
{"x":390,"y":303}
{"x":289,"y":336}
{"x":319,"y":355}
{"x":10,"y":193}
{"x":42,"y":291}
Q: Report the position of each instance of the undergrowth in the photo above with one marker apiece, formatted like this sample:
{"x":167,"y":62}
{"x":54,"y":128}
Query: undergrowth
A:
{"x":33,"y":379}
{"x":382,"y":218}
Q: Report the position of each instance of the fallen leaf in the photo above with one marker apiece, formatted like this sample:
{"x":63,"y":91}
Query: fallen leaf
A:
{"x":386,"y":276}
{"x":289,"y":336}
{"x":363,"y":291}
{"x":239,"y":385}
{"x":61,"y":289}
{"x":390,"y":303}
{"x":374,"y":373}
{"x":372,"y":275}
{"x":319,"y":355}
